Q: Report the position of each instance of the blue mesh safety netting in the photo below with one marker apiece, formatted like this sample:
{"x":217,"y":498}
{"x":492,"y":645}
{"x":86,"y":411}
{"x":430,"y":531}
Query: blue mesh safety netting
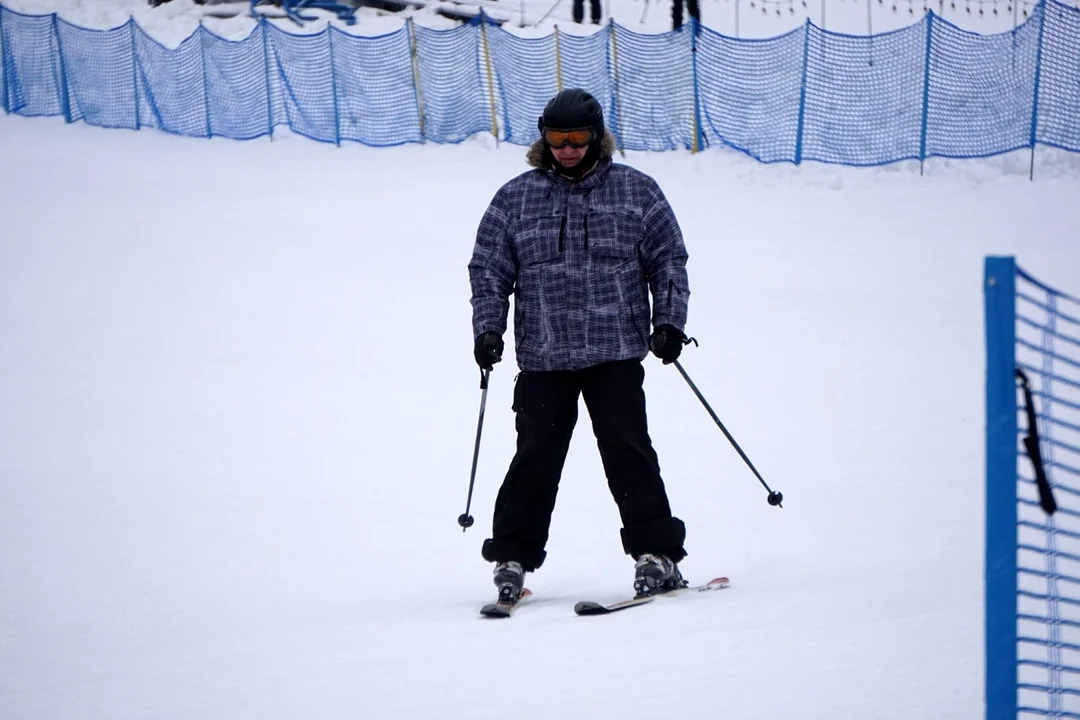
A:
{"x":928,"y":90}
{"x":172,"y":93}
{"x":653,"y":77}
{"x":981,"y":90}
{"x":750,"y":92}
{"x":102,"y":91}
{"x":31,"y":64}
{"x":236,"y":87}
{"x":1059,"y":79}
{"x":864,"y":96}
{"x":376,"y":94}
{"x":449,"y":62}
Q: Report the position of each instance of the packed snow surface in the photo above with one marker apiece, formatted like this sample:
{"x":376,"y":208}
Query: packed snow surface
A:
{"x":239,"y":407}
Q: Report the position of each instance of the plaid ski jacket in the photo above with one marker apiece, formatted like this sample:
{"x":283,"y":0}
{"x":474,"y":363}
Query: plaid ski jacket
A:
{"x":580,"y":259}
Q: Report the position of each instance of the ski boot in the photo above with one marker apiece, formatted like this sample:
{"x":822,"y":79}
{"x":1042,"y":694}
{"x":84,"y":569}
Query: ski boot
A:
{"x":655,"y":574}
{"x":509,"y":579}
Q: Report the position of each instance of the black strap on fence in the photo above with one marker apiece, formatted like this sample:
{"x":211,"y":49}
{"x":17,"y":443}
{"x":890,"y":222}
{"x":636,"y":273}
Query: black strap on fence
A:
{"x":1031,"y":444}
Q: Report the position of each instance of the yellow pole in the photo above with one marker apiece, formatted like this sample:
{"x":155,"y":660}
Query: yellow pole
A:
{"x":558,"y":62}
{"x":416,"y":78}
{"x":615,"y":72}
{"x":490,"y":77}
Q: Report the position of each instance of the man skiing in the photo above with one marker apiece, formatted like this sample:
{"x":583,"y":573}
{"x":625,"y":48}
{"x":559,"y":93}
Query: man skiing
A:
{"x":580,"y":242}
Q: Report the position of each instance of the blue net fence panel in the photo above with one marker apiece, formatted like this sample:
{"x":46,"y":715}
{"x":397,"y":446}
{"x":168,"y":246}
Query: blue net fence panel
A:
{"x":235,"y":76}
{"x":927,"y":90}
{"x":100,"y":71}
{"x":653,"y":79}
{"x":1033,"y":558}
{"x":1059,"y":79}
{"x":528,"y":75}
{"x":31,"y":64}
{"x":172,"y":87}
{"x":750,"y":92}
{"x":585,"y":61}
{"x":376,"y":90}
{"x":303,"y":64}
{"x":455,"y":104}
{"x":864,"y":96}
{"x":4,"y":100}
{"x":982,"y":90}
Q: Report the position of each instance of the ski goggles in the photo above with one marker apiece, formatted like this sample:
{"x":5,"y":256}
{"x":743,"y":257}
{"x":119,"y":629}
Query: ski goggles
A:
{"x":562,"y":138}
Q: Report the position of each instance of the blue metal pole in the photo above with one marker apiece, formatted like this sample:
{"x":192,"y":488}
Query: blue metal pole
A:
{"x":333,"y":85}
{"x":3,"y":65}
{"x":266,"y":66}
{"x":61,"y":83}
{"x":1038,"y":79}
{"x":926,"y":91}
{"x":4,"y":69}
{"x":135,"y":74}
{"x":802,"y":93}
{"x":206,"y":80}
{"x":999,"y":288}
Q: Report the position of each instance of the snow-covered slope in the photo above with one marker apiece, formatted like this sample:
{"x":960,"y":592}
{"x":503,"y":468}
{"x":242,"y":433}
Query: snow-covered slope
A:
{"x":238,"y":406}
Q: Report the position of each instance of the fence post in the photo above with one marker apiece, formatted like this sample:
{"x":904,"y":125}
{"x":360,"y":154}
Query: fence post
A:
{"x":3,"y":64}
{"x":490,"y":76}
{"x":697,"y":93}
{"x":61,"y":83}
{"x":558,"y":62}
{"x":616,"y":101}
{"x":415,"y":60}
{"x":999,"y":287}
{"x":333,"y":84}
{"x":266,"y":66}
{"x":134,"y":72}
{"x":926,"y":91}
{"x":802,"y":93}
{"x":206,"y":80}
{"x":1038,"y":80}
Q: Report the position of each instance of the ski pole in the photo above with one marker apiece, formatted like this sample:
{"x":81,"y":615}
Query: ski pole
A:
{"x":550,"y":10}
{"x":775,"y":497}
{"x":465,"y":520}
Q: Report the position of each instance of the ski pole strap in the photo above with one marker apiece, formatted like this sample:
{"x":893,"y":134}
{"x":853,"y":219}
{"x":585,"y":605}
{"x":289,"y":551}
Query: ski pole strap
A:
{"x":1031,"y":444}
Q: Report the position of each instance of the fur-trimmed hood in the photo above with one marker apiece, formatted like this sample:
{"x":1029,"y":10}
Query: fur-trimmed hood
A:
{"x":536,"y":156}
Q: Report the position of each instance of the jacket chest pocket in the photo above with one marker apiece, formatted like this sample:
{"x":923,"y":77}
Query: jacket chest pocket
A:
{"x":537,"y":240}
{"x":613,"y":235}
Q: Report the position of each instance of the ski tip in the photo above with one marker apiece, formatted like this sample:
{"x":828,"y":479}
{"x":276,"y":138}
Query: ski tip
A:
{"x":721,"y":581}
{"x":496,"y":611}
{"x":588,"y":607}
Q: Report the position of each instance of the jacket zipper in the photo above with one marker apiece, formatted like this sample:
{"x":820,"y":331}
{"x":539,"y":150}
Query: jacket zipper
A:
{"x":586,"y":233}
{"x":562,"y":230}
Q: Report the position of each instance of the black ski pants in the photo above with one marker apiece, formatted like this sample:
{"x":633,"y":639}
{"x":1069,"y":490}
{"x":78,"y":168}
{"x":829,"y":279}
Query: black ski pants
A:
{"x":546,"y":404}
{"x":594,"y":8}
{"x":677,"y":12}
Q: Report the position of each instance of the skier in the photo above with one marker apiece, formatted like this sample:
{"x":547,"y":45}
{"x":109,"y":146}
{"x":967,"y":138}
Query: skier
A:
{"x":580,"y":242}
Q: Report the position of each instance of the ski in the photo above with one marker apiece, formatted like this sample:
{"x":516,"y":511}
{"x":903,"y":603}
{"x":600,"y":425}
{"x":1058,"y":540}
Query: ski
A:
{"x":588,"y":607}
{"x":502,"y":609}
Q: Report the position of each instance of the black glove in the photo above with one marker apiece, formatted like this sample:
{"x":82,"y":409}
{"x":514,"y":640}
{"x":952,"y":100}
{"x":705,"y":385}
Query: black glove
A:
{"x":488,"y":350}
{"x":666,"y":343}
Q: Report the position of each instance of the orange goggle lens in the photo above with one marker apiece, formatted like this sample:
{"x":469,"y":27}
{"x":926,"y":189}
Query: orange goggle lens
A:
{"x":562,"y":138}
